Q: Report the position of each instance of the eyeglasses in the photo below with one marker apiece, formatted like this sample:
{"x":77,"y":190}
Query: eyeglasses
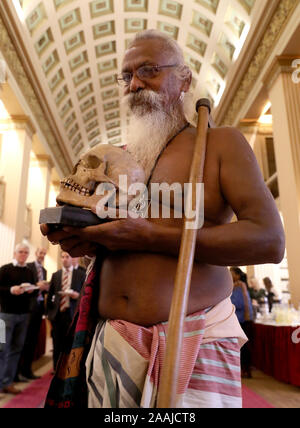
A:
{"x":143,"y":72}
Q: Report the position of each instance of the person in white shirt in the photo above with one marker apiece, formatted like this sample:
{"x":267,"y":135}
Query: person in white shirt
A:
{"x":64,"y":292}
{"x":76,"y":265}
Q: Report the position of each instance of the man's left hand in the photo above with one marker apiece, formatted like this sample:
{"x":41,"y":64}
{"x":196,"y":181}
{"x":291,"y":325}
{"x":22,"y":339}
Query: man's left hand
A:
{"x":43,"y":285}
{"x":74,"y":295}
{"x":125,"y":234}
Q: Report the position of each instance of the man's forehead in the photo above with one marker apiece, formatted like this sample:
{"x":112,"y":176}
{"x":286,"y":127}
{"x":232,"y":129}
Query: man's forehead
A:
{"x":143,"y":52}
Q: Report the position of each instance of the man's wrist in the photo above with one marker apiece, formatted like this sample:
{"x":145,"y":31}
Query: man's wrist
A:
{"x":163,"y":239}
{"x":152,"y":236}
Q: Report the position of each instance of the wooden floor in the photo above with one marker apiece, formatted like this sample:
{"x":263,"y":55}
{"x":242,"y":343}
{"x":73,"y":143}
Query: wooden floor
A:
{"x":278,"y":394}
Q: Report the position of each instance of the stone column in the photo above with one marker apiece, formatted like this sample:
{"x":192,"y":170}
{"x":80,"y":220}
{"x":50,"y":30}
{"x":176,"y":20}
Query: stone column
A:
{"x":17,"y":133}
{"x":38,"y":194}
{"x":255,"y":135}
{"x":284,"y":93}
{"x":53,"y":259}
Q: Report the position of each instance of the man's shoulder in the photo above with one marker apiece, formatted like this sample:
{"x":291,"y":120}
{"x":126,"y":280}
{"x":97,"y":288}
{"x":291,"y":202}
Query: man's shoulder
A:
{"x":31,"y":265}
{"x":81,"y":272}
{"x":227,"y":138}
{"x":57,"y":273}
{"x":7,"y":266}
{"x":220,"y":136}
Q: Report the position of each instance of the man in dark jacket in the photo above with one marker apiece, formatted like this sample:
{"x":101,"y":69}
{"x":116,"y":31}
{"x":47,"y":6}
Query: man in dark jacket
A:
{"x":64,"y":292}
{"x":15,"y":299}
{"x":36,"y":315}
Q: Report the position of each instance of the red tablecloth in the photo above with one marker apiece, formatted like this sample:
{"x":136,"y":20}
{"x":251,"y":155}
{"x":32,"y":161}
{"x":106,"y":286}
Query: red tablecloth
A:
{"x":275,"y":354}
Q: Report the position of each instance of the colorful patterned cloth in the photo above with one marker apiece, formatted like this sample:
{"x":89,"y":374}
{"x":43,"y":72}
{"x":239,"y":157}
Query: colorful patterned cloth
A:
{"x":124,"y":365}
{"x":68,"y":388}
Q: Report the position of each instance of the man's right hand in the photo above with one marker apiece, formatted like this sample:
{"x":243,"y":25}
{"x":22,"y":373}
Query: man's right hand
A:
{"x":17,"y":290}
{"x":43,"y":285}
{"x":70,"y":242}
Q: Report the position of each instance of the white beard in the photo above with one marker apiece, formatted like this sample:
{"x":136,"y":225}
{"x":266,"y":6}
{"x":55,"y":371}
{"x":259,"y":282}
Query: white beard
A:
{"x":151,"y":127}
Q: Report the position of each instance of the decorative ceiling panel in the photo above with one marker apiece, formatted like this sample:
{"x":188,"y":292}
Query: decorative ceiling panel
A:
{"x":134,"y":25}
{"x":211,"y":5}
{"x":104,"y":29}
{"x":77,"y":46}
{"x":202,"y":23}
{"x":60,"y":3}
{"x":135,"y":5}
{"x":170,"y":30}
{"x":101,"y":7}
{"x":70,"y":20}
{"x":196,"y":44}
{"x":36,"y":18}
{"x":170,"y":8}
{"x":74,"y":42}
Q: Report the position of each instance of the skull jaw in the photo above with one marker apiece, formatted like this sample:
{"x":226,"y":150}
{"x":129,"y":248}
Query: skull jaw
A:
{"x":68,"y":197}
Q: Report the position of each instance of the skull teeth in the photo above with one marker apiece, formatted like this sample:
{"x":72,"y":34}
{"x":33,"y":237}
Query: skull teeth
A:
{"x":74,"y":187}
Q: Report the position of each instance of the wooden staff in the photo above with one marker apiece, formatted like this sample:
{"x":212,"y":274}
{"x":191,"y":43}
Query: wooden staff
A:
{"x":170,"y":371}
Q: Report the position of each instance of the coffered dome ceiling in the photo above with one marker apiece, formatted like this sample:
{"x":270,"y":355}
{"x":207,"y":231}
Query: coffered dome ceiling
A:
{"x":76,"y":48}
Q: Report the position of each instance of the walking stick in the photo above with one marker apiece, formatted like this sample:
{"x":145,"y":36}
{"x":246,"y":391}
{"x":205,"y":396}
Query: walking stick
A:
{"x":170,"y":371}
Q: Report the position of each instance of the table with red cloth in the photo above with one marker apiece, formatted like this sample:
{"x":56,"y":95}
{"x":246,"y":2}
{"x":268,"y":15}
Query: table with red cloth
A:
{"x":275,"y":353}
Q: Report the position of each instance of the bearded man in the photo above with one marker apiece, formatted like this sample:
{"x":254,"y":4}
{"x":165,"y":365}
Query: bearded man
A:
{"x":138,"y":257}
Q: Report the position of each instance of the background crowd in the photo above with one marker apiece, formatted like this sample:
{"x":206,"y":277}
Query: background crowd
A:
{"x":25,"y":298}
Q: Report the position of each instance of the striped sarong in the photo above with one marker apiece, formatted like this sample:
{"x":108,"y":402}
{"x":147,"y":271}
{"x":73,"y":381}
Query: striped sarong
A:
{"x":125,"y":360}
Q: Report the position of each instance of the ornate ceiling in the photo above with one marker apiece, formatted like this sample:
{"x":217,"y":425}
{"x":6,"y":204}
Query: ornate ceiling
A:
{"x":76,"y":48}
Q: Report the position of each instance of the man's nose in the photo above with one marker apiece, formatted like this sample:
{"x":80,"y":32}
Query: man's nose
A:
{"x":136,"y":84}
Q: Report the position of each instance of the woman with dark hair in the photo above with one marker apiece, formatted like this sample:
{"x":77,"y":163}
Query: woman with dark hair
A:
{"x":244,"y":311}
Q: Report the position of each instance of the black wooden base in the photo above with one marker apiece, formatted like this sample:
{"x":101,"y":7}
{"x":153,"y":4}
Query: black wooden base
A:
{"x":58,"y":217}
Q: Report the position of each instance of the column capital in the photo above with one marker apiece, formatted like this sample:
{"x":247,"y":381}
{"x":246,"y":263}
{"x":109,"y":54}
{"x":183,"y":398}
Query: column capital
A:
{"x":281,"y":64}
{"x":248,"y":125}
{"x":251,"y":126}
{"x":45,"y":159}
{"x":56,"y":185}
{"x":18,"y":122}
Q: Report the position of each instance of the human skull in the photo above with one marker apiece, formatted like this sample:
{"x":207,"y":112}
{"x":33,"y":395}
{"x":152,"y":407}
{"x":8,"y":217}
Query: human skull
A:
{"x":102,"y":164}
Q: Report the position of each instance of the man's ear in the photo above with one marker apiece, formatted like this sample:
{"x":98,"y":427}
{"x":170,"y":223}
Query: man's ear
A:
{"x":187,"y":79}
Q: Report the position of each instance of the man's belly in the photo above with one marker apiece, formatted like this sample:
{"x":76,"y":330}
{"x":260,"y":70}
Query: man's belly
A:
{"x":138,"y":287}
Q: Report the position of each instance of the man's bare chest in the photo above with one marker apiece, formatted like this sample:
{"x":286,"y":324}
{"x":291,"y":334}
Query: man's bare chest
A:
{"x":172,"y":174}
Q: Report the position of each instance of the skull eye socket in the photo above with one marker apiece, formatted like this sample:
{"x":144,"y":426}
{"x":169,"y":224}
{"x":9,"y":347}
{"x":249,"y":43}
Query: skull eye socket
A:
{"x":93,"y":162}
{"x":75,"y":168}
